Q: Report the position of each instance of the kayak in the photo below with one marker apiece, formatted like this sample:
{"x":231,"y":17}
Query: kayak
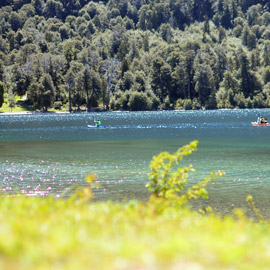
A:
{"x":89,"y":126}
{"x":258,"y":124}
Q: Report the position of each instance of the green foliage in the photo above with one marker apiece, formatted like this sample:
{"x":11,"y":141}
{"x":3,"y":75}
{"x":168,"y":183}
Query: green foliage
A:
{"x":239,"y":100}
{"x":47,"y":89}
{"x":204,"y":83}
{"x":259,"y":101}
{"x":187,"y":104}
{"x":11,"y":100}
{"x":57,"y":105}
{"x":120,"y":101}
{"x":168,"y":180}
{"x":139,"y":102}
{"x":256,"y":211}
{"x":173,"y":49}
{"x":266,"y":75}
{"x":76,"y":234}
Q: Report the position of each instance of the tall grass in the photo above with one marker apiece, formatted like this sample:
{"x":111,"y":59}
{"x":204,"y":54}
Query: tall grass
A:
{"x":45,"y":233}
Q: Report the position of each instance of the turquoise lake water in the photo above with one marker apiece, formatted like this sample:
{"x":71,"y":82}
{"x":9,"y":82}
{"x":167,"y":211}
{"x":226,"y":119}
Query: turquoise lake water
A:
{"x":46,"y":154}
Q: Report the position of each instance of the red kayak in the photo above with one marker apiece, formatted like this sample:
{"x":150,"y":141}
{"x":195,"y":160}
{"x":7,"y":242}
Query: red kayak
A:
{"x":260,"y":124}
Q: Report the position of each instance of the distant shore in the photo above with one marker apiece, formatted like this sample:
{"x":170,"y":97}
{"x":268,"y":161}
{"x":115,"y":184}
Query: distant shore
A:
{"x":48,"y":112}
{"x":29,"y":112}
{"x":98,"y":111}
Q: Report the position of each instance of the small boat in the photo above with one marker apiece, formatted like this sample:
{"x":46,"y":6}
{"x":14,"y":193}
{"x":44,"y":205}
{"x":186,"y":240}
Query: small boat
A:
{"x":260,"y":124}
{"x":97,"y":127}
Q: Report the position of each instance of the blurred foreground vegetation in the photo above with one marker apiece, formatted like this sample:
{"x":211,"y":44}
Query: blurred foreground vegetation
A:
{"x":47,"y":233}
{"x":162,"y":233}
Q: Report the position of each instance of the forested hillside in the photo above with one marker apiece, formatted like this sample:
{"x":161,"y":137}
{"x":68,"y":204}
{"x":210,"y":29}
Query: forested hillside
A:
{"x":135,"y":54}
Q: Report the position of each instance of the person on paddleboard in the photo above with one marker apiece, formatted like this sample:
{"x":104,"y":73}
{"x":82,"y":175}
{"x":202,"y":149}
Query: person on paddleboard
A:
{"x":98,"y":123}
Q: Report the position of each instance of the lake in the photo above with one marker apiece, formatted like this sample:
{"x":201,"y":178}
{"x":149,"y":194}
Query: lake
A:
{"x":47,"y":154}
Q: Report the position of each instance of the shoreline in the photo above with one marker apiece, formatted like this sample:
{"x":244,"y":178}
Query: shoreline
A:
{"x":67,"y":112}
{"x":14,"y":113}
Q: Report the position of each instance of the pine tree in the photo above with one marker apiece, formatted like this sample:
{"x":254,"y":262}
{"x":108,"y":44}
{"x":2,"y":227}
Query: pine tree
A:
{"x":125,"y":65}
{"x":248,"y":80}
{"x":47,"y":96}
{"x":204,"y":83}
{"x":156,"y":83}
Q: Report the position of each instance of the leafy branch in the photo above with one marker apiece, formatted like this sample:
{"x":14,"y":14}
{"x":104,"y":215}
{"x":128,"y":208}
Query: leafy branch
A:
{"x":167,"y":179}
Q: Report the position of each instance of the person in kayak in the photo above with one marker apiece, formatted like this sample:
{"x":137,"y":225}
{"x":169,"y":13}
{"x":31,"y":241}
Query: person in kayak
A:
{"x":98,"y":123}
{"x":262,"y":120}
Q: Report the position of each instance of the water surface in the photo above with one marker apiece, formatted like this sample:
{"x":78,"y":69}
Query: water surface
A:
{"x":46,"y":154}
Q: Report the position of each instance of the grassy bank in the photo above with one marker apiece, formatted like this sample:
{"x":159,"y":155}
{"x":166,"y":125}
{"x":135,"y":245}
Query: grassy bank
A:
{"x":21,"y":106}
{"x":18,"y":106}
{"x":45,"y":233}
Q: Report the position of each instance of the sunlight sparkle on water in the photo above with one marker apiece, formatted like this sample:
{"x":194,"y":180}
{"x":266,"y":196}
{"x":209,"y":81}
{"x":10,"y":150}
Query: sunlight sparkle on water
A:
{"x":45,"y":178}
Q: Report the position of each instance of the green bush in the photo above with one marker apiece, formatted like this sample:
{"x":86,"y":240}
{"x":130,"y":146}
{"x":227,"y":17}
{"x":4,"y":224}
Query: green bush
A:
{"x":113,"y":103}
{"x":167,"y":179}
{"x":249,"y":103}
{"x":139,"y":101}
{"x":121,"y":102}
{"x":223,"y":98}
{"x":259,"y":101}
{"x":195,"y":104}
{"x":240,"y":100}
{"x":179,"y":105}
{"x":57,"y":105}
{"x":211,"y":103}
{"x":154,"y":100}
{"x":187,"y":104}
{"x":167,"y":105}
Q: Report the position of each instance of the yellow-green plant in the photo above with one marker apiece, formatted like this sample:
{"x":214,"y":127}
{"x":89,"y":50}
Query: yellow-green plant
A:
{"x":256,"y":210}
{"x":167,"y":179}
{"x":83,"y":192}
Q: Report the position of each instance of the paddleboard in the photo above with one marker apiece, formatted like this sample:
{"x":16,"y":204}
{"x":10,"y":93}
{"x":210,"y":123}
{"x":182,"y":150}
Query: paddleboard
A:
{"x":89,"y":126}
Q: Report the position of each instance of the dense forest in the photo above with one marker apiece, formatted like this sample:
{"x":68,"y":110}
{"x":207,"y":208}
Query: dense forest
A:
{"x":135,"y":54}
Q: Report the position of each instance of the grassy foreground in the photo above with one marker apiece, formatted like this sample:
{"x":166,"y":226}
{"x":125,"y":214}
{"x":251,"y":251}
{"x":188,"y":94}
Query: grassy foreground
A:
{"x":47,"y":233}
{"x":75,"y":233}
